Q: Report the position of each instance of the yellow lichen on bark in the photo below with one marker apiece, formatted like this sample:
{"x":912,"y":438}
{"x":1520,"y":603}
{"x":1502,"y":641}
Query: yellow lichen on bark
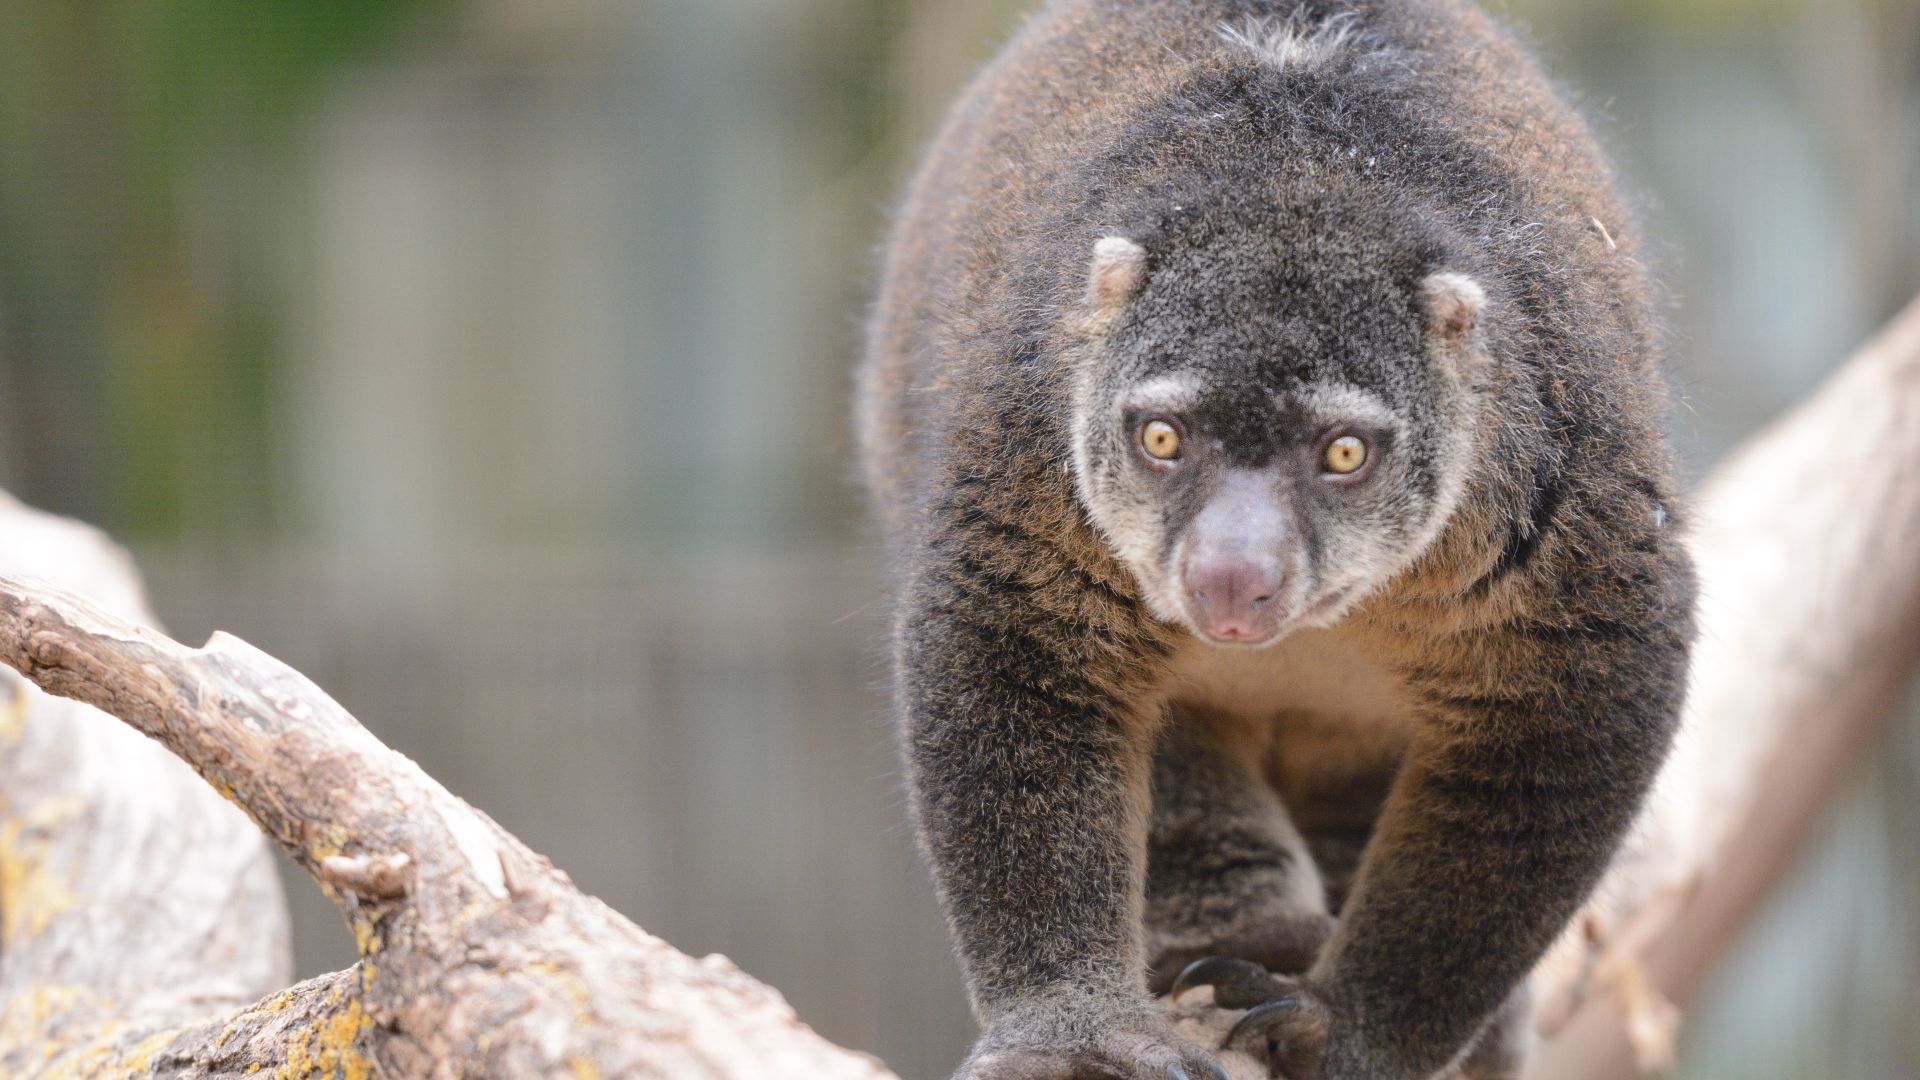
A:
{"x":330,"y":1048}
{"x":32,"y":891}
{"x":131,"y":1062}
{"x":13,"y":718}
{"x":366,"y":938}
{"x":72,"y":1031}
{"x":24,"y":1022}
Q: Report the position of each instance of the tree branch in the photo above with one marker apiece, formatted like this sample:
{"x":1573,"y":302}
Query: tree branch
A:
{"x":477,"y":956}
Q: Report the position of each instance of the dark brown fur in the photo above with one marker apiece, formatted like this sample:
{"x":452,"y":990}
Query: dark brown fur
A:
{"x":1538,"y":646}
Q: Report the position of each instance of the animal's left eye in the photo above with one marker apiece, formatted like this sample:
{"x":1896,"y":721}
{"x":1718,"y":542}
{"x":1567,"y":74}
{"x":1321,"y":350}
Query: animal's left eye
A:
{"x":1160,"y":440}
{"x":1346,"y":456}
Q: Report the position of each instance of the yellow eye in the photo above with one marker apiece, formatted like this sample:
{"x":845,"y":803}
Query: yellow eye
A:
{"x":1346,"y":454}
{"x":1160,"y":440}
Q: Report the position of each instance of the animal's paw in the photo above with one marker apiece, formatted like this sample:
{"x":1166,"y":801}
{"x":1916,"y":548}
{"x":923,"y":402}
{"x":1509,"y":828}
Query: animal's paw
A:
{"x":1132,"y":1044}
{"x":1286,"y":1025}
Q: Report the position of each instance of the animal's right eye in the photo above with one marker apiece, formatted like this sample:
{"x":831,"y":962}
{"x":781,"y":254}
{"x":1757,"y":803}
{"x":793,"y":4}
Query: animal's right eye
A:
{"x":1345,"y":455}
{"x":1160,"y":441}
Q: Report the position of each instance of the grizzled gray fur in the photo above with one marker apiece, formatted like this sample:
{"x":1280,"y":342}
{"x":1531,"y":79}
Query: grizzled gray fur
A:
{"x":1263,"y":402}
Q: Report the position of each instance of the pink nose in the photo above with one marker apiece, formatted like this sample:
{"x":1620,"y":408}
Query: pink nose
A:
{"x":1231,"y":589}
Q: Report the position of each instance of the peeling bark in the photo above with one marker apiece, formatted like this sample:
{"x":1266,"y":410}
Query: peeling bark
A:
{"x":140,"y":916}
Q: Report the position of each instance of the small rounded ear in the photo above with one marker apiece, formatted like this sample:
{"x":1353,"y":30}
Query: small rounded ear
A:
{"x":1119,"y":269}
{"x":1452,"y":303}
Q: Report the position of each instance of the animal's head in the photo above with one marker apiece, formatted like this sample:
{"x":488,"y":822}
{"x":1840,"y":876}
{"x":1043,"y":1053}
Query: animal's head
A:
{"x":1270,"y":422}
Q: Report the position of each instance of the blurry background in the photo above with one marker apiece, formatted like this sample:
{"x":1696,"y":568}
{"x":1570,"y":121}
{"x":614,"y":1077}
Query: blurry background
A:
{"x":488,"y":361}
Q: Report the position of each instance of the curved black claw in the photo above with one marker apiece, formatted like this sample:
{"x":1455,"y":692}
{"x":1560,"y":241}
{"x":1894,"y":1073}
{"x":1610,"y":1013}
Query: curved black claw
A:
{"x":1236,"y":984}
{"x":1289,"y":1033}
{"x":1258,"y":1018}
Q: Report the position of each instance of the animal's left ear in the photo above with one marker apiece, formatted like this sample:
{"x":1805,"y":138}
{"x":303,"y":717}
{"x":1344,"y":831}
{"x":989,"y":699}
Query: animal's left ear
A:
{"x":1453,"y":304}
{"x":1118,"y":270}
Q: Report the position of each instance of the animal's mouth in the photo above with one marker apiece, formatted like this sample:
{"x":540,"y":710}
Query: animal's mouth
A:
{"x":1254,"y":630}
{"x":1236,"y":639}
{"x":1244,"y":635}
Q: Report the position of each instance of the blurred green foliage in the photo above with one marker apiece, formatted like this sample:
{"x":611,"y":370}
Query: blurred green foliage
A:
{"x":117,"y":287}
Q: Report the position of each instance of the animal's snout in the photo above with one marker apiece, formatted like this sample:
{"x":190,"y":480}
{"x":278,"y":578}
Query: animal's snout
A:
{"x":1232,"y":592}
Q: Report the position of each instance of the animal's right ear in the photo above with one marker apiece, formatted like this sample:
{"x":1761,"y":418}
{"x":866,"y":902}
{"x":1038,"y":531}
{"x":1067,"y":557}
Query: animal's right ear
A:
{"x":1454,"y":305}
{"x":1119,"y":269}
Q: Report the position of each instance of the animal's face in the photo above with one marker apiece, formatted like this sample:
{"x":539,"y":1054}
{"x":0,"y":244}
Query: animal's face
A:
{"x":1265,"y":440}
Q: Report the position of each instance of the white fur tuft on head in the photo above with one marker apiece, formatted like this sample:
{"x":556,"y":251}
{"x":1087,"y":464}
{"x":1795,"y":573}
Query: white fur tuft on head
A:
{"x":1119,"y":269}
{"x":1285,"y":44}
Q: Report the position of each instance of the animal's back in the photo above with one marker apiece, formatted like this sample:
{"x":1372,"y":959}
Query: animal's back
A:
{"x":1451,"y":87}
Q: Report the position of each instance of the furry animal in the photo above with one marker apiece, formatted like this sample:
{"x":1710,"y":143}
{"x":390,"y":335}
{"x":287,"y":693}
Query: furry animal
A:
{"x":1263,"y":402}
